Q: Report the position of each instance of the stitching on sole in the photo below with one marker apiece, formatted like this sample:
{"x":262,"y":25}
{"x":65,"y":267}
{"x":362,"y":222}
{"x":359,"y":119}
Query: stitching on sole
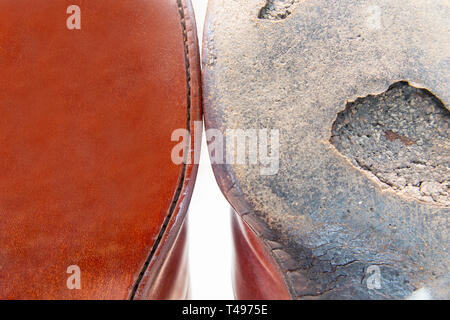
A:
{"x":183,"y":173}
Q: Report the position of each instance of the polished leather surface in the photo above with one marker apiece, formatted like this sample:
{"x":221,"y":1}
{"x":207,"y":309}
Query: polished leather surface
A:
{"x":86,"y":118}
{"x":256,"y":274}
{"x":163,"y":277}
{"x":170,"y":280}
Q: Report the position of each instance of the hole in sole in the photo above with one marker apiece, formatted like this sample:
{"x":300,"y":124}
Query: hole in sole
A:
{"x":277,"y":9}
{"x":401,"y":137}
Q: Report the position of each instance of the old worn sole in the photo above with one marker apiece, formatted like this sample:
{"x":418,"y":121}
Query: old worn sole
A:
{"x":358,"y":91}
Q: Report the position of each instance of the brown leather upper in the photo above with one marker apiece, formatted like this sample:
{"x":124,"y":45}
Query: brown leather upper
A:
{"x":256,"y":274}
{"x":86,"y":118}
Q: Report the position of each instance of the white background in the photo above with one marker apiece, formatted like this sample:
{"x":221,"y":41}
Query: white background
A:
{"x":209,"y":222}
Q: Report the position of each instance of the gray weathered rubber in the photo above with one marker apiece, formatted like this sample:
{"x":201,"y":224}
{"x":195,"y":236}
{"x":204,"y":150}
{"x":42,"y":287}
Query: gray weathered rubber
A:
{"x":293,"y":65}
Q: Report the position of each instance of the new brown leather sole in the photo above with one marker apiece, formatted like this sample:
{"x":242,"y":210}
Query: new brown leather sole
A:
{"x":86,"y":117}
{"x":358,"y":91}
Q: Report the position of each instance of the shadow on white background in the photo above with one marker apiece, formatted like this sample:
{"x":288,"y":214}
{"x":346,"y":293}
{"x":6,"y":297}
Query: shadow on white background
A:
{"x":209,"y":222}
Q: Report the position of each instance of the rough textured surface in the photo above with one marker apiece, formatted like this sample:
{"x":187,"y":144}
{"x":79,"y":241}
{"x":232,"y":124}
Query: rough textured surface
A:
{"x":296,"y":75}
{"x":402,"y":138}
